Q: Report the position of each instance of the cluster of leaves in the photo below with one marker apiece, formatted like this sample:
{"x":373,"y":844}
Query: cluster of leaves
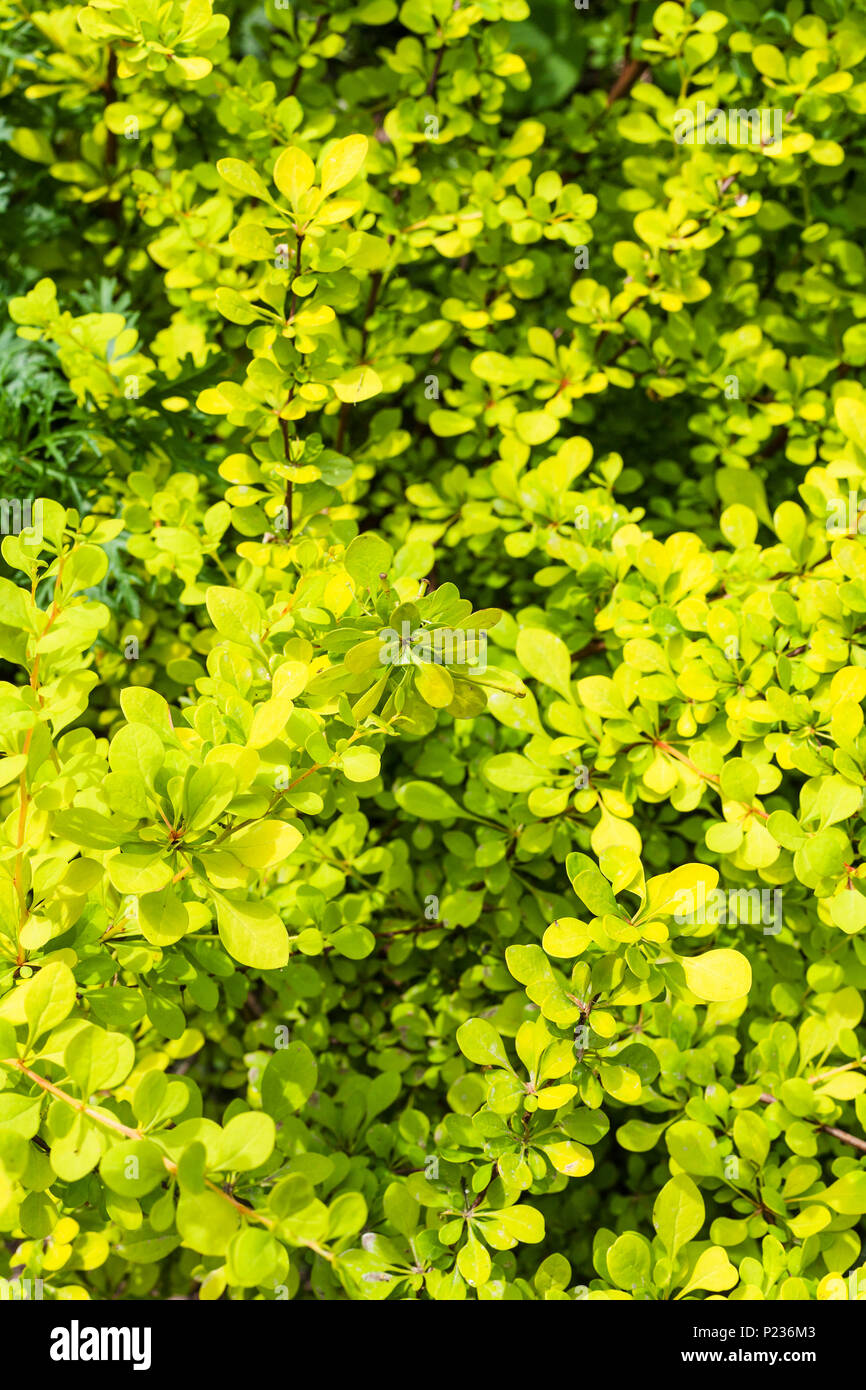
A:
{"x":328,"y":968}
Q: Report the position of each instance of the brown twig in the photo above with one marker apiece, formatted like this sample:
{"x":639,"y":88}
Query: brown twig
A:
{"x":434,"y":76}
{"x":112,"y":1123}
{"x":631,"y":73}
{"x":841,"y":1134}
{"x":299,"y":70}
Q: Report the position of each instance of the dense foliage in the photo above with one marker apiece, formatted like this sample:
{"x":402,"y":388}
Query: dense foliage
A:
{"x":343,"y":336}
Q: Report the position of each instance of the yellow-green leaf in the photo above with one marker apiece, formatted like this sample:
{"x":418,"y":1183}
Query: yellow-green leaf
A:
{"x":294,"y":174}
{"x":342,"y":162}
{"x":718,"y":976}
{"x":253,"y":934}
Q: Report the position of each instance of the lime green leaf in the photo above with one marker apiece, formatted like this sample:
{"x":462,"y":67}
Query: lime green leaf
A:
{"x":678,"y":1213}
{"x":545,"y":656}
{"x":206,"y":1222}
{"x":294,"y":174}
{"x":252,"y":933}
{"x":718,"y":975}
{"x":342,"y":162}
{"x":289,"y":1080}
{"x":479,"y":1041}
{"x":243,"y":178}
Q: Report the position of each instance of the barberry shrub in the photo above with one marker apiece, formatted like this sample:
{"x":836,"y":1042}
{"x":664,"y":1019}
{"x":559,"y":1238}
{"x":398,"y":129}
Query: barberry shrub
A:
{"x":433,"y":625}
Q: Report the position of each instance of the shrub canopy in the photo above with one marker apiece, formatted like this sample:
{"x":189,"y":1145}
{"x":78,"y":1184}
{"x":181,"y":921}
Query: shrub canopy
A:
{"x":432,"y":623}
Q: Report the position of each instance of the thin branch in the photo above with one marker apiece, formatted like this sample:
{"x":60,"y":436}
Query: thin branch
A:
{"x":299,"y":71}
{"x":841,"y":1134}
{"x":631,"y":73}
{"x":434,"y":76}
{"x":112,"y":1123}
